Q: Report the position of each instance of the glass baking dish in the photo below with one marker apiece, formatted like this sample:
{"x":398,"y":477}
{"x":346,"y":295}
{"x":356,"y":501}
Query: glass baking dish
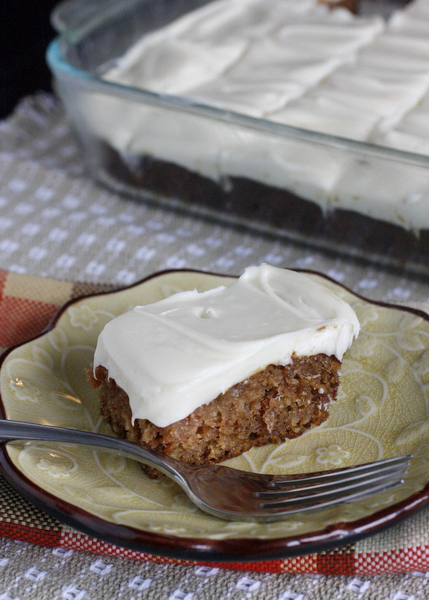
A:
{"x":333,"y":193}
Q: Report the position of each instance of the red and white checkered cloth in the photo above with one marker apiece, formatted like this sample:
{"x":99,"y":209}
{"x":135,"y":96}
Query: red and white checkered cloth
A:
{"x":27,"y":305}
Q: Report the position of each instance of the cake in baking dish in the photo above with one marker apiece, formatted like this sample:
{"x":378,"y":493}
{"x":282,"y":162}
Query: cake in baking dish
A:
{"x":204,"y":377}
{"x":287,"y":64}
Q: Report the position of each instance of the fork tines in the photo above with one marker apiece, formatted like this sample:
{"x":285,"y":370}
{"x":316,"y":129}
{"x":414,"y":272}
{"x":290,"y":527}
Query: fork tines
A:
{"x":304,"y":492}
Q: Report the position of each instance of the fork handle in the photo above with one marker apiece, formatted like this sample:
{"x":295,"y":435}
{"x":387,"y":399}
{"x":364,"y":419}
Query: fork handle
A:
{"x":18,"y":431}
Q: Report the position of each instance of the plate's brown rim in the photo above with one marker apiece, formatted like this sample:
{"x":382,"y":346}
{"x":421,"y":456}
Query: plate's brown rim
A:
{"x":202,"y":549}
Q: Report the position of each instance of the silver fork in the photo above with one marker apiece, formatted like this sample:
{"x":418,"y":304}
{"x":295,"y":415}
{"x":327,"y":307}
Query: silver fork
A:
{"x":232,"y":494}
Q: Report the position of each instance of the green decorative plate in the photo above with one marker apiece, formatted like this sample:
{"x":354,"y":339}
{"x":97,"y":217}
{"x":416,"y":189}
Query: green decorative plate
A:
{"x":382,"y":410}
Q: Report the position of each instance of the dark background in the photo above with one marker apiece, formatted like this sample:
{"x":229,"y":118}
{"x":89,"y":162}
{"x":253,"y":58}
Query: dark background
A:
{"x":25,"y":33}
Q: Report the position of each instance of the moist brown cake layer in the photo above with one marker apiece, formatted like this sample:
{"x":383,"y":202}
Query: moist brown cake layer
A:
{"x":356,"y":234}
{"x":275,"y":404}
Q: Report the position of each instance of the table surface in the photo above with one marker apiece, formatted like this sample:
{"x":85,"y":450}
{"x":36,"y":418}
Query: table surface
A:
{"x":56,"y":222}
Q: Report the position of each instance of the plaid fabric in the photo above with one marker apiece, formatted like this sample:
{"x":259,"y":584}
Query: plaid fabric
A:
{"x":27,"y":304}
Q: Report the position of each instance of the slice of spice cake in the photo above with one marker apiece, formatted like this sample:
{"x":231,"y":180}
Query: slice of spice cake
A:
{"x":203,"y":377}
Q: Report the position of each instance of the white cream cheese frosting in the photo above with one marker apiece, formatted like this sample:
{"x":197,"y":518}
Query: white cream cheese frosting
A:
{"x":177,"y":354}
